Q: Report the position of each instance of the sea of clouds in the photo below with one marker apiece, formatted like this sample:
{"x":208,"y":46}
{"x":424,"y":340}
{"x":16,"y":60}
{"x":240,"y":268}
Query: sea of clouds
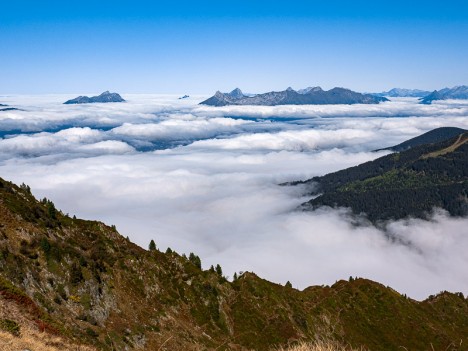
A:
{"x":205,"y":180}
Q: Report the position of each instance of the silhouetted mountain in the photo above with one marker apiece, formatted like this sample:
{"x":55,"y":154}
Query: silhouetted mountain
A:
{"x":104,"y":97}
{"x":10,"y":109}
{"x":84,"y":281}
{"x":7,"y":108}
{"x":398,"y":92}
{"x":406,"y":184}
{"x":434,"y":136}
{"x":457,"y":93}
{"x":309,"y":96}
{"x":184,"y":97}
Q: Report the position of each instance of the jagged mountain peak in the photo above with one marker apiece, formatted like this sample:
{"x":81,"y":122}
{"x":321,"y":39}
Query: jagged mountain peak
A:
{"x":236,"y":94}
{"x":459,"y":92}
{"x":309,"y":96}
{"x":103,"y":97}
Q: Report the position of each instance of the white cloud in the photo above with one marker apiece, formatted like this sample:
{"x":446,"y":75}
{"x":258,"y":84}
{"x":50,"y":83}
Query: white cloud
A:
{"x":301,"y":140}
{"x":396,"y":108}
{"x":177,"y":128}
{"x":72,"y":142}
{"x":218,"y":196}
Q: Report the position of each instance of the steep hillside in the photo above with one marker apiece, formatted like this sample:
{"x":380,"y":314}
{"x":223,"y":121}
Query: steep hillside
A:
{"x":409,"y":183}
{"x":84,"y":282}
{"x":433,"y":136}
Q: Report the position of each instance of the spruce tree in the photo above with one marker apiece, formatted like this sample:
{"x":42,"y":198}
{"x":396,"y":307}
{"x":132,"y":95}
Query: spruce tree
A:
{"x":219,"y":270}
{"x":152,"y":245}
{"x":195,"y":260}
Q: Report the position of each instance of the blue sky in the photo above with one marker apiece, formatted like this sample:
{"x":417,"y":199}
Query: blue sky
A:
{"x":201,"y":46}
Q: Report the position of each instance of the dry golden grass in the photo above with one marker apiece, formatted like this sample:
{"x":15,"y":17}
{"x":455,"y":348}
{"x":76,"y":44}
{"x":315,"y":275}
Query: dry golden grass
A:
{"x":318,"y":346}
{"x":37,"y":341}
{"x":462,"y":139}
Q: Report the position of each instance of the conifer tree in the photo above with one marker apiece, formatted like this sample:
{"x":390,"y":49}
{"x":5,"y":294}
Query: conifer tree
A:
{"x":195,"y":260}
{"x":219,"y":270}
{"x":152,"y":245}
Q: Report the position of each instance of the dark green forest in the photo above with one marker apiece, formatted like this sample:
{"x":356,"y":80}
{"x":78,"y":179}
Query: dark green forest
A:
{"x":406,"y":184}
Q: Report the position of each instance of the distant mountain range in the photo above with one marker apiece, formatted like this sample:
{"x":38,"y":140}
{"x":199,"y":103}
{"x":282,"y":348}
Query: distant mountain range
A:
{"x":104,"y":97}
{"x":458,"y":92}
{"x":406,"y":184}
{"x":308,"y":96}
{"x":398,"y":92}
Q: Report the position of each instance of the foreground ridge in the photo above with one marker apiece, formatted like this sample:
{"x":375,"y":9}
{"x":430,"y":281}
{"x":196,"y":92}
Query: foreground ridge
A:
{"x":81,"y":280}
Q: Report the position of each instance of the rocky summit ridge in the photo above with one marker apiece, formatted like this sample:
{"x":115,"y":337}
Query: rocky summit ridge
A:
{"x":102,"y":98}
{"x":308,"y":96}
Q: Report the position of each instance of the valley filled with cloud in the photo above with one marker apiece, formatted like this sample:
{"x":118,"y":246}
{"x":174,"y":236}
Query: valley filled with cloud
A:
{"x":206,"y":180}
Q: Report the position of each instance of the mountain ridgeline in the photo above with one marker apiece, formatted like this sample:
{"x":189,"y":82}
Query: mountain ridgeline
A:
{"x":405,"y":184}
{"x":456,"y":93}
{"x":104,"y":97}
{"x":308,"y":96}
{"x":426,"y":97}
{"x":433,"y":136}
{"x":399,"y":92}
{"x":85,"y":282}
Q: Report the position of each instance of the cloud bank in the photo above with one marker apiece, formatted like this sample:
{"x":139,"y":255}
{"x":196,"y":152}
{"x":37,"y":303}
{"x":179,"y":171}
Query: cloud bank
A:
{"x":205,"y":180}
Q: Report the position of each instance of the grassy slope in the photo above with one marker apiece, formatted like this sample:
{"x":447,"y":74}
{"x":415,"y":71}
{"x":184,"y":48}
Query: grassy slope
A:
{"x":83,"y":281}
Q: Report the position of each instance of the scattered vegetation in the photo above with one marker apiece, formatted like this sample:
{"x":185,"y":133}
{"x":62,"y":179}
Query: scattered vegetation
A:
{"x":318,"y":346}
{"x":82,"y":281}
{"x":38,"y":341}
{"x":10,"y":326}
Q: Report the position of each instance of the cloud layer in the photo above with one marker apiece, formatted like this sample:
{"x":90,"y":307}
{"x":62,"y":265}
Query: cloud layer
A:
{"x":205,"y":180}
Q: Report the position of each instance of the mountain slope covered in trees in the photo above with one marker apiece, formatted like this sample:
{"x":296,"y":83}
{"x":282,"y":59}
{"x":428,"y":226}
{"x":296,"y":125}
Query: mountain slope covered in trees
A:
{"x":433,"y":136}
{"x":406,"y":184}
{"x":85,"y":282}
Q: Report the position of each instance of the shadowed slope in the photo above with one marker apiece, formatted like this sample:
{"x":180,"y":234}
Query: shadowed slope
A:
{"x":406,"y":184}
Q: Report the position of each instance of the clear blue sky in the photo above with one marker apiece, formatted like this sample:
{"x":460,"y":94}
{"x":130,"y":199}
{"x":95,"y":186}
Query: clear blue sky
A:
{"x":202,"y":46}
